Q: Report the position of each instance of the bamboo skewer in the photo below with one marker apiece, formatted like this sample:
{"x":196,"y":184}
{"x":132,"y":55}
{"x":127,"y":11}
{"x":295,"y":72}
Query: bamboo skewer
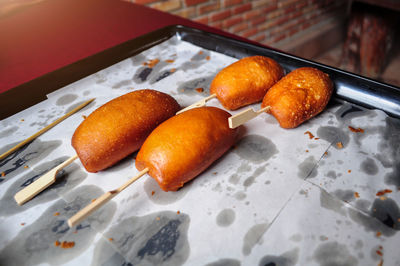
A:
{"x":40,"y":132}
{"x":197,"y":104}
{"x":244,"y":116}
{"x":42,"y":183}
{"x":89,"y":209}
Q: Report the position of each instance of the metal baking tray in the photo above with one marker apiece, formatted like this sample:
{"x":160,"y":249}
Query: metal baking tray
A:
{"x":348,"y":86}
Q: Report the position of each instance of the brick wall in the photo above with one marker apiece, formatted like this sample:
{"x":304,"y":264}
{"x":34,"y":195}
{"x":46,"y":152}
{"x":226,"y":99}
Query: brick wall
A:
{"x":269,"y":22}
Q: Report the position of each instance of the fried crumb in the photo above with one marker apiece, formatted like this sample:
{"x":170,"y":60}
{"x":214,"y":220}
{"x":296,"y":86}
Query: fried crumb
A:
{"x":356,"y":130}
{"x":93,"y":200}
{"x":201,"y":52}
{"x":151,"y":63}
{"x":208,"y":57}
{"x":56,"y":214}
{"x":307,"y":150}
{"x":172,"y":70}
{"x":22,"y":224}
{"x":158,"y":218}
{"x":316,"y":138}
{"x":66,"y":244}
{"x":22,"y":120}
{"x":199,"y":90}
{"x":84,"y":116}
{"x":356,"y":195}
{"x":25,"y":166}
{"x":339,"y":145}
{"x":380,"y":263}
{"x":310,"y":135}
{"x":326,"y":153}
{"x":378,"y":234}
{"x":349,"y":171}
{"x":169,"y":61}
{"x":3,"y":174}
{"x":383,"y":198}
{"x":178,"y":212}
{"x":110,"y":239}
{"x":57,"y":243}
{"x":153,"y":192}
{"x":383,"y":192}
{"x":215,"y":173}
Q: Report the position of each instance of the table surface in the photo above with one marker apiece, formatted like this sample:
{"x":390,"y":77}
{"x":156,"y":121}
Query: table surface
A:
{"x":52,"y":34}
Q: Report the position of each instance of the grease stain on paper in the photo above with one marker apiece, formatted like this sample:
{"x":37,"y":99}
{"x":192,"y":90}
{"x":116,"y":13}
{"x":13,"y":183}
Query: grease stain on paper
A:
{"x":369,"y":167}
{"x":225,"y":217}
{"x":66,"y":179}
{"x":253,"y":236}
{"x":255,"y":148}
{"x":142,"y":74}
{"x":162,"y":75}
{"x":224,"y":262}
{"x":160,"y":197}
{"x":8,"y":132}
{"x":308,"y":168}
{"x":29,"y":154}
{"x":155,"y":239}
{"x":327,"y":201}
{"x":387,"y":211}
{"x":333,"y":135}
{"x":66,"y":99}
{"x":391,"y":137}
{"x":251,"y":179}
{"x":288,"y":258}
{"x":334,"y":253}
{"x":346,"y":195}
{"x":35,"y":242}
{"x":331,"y":174}
{"x":73,"y":106}
{"x":382,"y":217}
{"x":122,"y":83}
{"x":188,"y":88}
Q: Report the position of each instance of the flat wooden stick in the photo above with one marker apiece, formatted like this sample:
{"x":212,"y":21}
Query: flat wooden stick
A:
{"x":41,"y":184}
{"x":40,"y":132}
{"x":200,"y":103}
{"x":243,"y":117}
{"x":89,"y":209}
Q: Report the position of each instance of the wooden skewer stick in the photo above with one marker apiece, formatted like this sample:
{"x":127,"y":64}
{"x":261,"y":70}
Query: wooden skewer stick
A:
{"x":40,"y":132}
{"x":197,"y":104}
{"x":246,"y":115}
{"x":89,"y":209}
{"x":41,"y":184}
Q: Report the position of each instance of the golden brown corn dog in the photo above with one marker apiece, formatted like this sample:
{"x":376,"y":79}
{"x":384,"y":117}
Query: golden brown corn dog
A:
{"x":185,"y":145}
{"x":245,"y":81}
{"x":298,"y":96}
{"x":119,"y":127}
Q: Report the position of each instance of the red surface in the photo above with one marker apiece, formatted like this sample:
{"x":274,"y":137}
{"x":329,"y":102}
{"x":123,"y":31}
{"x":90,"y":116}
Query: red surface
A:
{"x":56,"y":33}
